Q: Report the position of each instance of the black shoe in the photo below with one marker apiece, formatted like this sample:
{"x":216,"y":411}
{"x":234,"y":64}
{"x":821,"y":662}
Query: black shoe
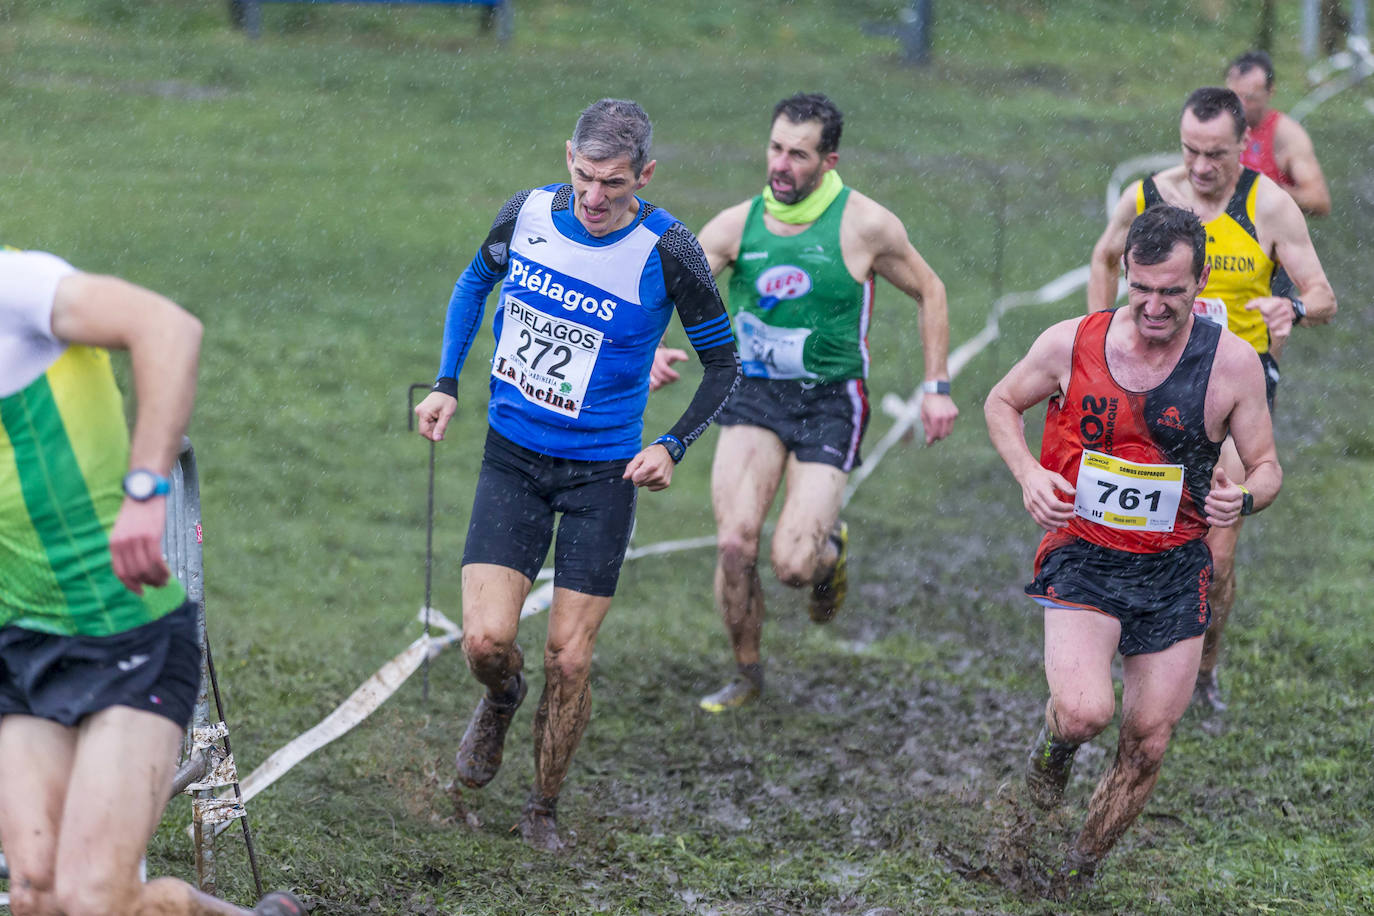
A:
{"x":828,"y":597}
{"x":279,"y":903}
{"x":479,"y":754}
{"x":539,"y":824}
{"x":1048,"y":768}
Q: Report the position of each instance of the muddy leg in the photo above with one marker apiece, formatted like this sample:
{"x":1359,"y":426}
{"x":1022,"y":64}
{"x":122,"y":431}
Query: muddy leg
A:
{"x":1156,"y":692}
{"x":745,"y":476}
{"x":564,"y":708}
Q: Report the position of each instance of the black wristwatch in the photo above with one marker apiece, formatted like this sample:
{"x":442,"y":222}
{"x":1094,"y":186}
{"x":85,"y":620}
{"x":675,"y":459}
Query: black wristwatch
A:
{"x":930,"y":386}
{"x":674,"y":446}
{"x":142,"y":485}
{"x":1299,"y":310}
{"x":1247,"y":501}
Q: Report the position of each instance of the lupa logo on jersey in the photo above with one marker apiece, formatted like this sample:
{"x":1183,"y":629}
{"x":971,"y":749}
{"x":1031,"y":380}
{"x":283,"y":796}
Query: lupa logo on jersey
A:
{"x":782,"y":282}
{"x":558,"y":288}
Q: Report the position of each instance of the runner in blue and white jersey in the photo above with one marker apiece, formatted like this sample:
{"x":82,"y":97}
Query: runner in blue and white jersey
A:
{"x":589,"y":277}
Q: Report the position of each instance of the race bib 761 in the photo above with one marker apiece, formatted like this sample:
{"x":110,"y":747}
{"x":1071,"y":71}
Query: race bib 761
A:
{"x":1132,"y":497}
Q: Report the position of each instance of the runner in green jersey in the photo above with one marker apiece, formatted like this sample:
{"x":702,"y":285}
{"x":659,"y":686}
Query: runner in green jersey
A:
{"x":99,"y":658}
{"x":804,"y":255}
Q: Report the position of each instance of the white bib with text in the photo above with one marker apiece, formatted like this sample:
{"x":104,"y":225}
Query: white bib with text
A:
{"x":1133,"y":497}
{"x":1214,"y":310}
{"x":771,"y":352}
{"x":548,"y":358}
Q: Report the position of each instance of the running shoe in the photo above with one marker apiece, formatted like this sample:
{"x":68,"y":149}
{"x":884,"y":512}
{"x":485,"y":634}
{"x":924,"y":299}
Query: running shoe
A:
{"x":279,"y":903}
{"x":828,"y":596}
{"x":479,"y":754}
{"x":742,"y":691}
{"x":1207,"y":692}
{"x":1077,"y":875}
{"x":539,"y":824}
{"x":1048,"y":769}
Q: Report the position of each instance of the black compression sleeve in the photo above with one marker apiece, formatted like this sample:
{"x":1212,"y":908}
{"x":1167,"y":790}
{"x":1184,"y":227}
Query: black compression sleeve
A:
{"x":687,"y":277}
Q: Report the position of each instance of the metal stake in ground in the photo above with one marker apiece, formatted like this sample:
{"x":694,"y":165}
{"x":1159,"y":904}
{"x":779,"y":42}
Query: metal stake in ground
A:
{"x":429,"y":532}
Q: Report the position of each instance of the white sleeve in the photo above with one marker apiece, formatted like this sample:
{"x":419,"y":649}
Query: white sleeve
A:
{"x":28,"y":283}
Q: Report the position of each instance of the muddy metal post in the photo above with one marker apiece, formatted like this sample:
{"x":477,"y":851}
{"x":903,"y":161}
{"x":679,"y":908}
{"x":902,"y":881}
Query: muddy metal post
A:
{"x":429,"y":532}
{"x":205,"y":766}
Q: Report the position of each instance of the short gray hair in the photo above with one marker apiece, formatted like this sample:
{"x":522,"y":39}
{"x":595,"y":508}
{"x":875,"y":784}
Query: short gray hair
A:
{"x":612,"y":128}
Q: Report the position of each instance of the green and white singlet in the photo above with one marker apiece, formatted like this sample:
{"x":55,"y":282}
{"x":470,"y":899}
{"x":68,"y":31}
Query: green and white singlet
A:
{"x":64,"y":448}
{"x":798,"y":312}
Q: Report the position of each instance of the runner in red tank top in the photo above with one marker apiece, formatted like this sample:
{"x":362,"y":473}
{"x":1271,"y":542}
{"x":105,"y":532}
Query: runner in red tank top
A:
{"x":1278,"y":146}
{"x":1126,"y":489}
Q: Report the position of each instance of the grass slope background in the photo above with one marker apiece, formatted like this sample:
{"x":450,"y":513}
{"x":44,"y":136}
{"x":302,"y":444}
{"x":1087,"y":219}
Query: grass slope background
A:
{"x":312,"y":196}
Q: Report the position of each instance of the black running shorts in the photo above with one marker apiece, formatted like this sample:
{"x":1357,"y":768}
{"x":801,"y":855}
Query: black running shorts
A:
{"x":518,"y":492}
{"x":1159,"y":598}
{"x":155,"y":668}
{"x":822,"y":422}
{"x":1271,"y":378}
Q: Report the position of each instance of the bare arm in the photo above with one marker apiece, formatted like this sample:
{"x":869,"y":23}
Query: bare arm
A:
{"x":1298,"y":159}
{"x":1285,"y":229}
{"x":164,"y":348}
{"x":1105,"y":266}
{"x":896,"y":260}
{"x":1043,"y":372}
{"x":1241,"y":378}
{"x":721,"y":236}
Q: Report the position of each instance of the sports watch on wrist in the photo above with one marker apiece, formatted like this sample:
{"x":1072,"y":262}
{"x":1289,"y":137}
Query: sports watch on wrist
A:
{"x":1299,"y":310}
{"x":933,"y":387}
{"x":674,"y":446}
{"x":142,"y":485}
{"x":1247,"y":502}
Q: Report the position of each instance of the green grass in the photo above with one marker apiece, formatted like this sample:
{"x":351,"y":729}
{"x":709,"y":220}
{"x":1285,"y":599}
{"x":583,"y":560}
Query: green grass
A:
{"x":312,"y":196}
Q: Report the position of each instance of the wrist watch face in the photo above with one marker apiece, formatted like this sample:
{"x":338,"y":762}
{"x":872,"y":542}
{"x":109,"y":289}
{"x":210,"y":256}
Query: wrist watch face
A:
{"x":1299,"y":310}
{"x":675,"y":449}
{"x":142,"y":485}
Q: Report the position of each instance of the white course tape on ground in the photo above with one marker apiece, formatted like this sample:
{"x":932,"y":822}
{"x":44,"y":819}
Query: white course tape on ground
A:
{"x":361,"y":704}
{"x":906,"y":413}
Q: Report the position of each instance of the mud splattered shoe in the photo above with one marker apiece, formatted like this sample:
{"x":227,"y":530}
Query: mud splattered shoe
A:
{"x":827,"y":597}
{"x":279,"y":903}
{"x":1207,"y":692}
{"x":479,"y":754}
{"x":1075,"y":876}
{"x":742,"y":691}
{"x":539,"y":824}
{"x":1048,"y":768}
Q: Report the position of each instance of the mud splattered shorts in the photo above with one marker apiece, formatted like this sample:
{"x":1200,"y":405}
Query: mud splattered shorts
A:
{"x":1159,"y":598}
{"x":518,"y":492}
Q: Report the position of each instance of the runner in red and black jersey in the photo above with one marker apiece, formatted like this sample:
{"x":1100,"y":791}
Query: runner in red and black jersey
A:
{"x":1277,"y":146}
{"x":1126,"y":488}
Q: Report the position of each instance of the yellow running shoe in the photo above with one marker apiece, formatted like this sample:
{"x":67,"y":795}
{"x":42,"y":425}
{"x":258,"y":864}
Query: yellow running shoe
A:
{"x":827,"y":597}
{"x":742,"y":691}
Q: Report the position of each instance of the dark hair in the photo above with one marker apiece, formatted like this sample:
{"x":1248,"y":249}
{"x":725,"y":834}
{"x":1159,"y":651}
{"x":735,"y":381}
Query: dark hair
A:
{"x":812,"y":106}
{"x":1254,"y":60}
{"x":1155,"y":233}
{"x":612,"y":128}
{"x":1211,"y":102}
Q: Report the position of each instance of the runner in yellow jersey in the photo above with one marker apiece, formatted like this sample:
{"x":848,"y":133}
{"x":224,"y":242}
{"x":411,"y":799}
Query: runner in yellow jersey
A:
{"x":1252,"y":224}
{"x":99,"y":658}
